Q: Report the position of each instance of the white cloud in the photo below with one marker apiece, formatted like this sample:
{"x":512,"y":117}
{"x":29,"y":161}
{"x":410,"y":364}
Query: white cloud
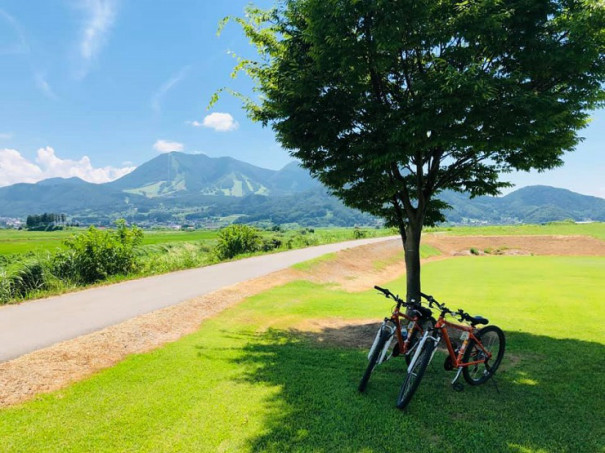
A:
{"x":164,"y":146}
{"x":220,"y":122}
{"x":15,"y":168}
{"x":100,"y":16}
{"x":156,"y":98}
{"x":43,"y":86}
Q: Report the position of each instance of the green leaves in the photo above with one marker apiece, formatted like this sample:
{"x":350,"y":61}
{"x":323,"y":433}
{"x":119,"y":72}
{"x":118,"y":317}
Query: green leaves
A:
{"x":98,"y":254}
{"x":351,"y":89}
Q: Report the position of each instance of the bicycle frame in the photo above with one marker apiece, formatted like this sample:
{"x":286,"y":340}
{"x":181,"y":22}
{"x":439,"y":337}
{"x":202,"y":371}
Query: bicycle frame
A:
{"x":412,"y":325}
{"x":457,"y":362}
{"x":403,"y":344}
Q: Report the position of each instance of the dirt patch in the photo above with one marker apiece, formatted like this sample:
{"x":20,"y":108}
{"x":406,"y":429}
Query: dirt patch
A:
{"x":360,"y":268}
{"x":517,"y":245}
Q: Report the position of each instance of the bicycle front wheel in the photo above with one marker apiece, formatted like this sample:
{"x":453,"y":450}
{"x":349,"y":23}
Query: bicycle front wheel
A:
{"x":492,"y":339}
{"x":426,"y":324}
{"x":384,"y":336}
{"x":414,"y":376}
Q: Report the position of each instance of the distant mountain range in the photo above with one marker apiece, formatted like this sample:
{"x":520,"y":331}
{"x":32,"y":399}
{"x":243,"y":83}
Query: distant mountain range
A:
{"x":194,"y":188}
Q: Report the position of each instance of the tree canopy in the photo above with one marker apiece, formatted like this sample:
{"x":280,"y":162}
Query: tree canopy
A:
{"x":390,"y":102}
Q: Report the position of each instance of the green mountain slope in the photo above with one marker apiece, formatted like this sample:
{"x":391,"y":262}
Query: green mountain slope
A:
{"x":178,"y":187}
{"x":533,"y":204}
{"x":175,"y":172}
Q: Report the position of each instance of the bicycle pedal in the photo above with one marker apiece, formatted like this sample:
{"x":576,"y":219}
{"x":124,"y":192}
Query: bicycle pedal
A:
{"x":458,"y":387}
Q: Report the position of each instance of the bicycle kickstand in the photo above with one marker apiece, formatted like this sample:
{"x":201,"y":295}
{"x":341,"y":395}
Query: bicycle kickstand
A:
{"x":457,"y":386}
{"x":495,"y":384}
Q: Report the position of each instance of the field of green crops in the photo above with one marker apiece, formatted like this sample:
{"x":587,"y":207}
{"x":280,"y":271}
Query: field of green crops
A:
{"x":595,"y":229}
{"x":15,"y":242}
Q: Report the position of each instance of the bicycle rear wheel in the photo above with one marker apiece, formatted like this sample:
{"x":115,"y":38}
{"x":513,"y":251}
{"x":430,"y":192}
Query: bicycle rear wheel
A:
{"x":492,"y":339}
{"x":385,"y":335}
{"x":414,"y":376}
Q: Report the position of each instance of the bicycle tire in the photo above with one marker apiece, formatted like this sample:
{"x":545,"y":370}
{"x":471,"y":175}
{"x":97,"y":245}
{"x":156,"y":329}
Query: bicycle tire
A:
{"x":384,"y":337}
{"x":426,"y":324}
{"x":492,"y":338}
{"x":414,"y":376}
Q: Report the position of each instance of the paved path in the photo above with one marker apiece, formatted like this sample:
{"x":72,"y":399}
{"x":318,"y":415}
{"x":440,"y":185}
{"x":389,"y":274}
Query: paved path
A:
{"x":37,"y":324}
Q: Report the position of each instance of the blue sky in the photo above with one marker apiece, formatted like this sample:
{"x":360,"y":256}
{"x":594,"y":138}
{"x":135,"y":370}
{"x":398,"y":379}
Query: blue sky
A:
{"x":92,"y":88}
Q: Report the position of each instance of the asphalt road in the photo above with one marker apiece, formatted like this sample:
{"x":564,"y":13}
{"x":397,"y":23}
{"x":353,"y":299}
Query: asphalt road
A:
{"x":40,"y":323}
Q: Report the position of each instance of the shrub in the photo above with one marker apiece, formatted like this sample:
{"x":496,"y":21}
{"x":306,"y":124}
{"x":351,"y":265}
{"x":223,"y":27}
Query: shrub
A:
{"x":98,"y":254}
{"x":271,"y":244}
{"x":237,"y":239}
{"x":474,"y":251}
{"x":359,"y":234}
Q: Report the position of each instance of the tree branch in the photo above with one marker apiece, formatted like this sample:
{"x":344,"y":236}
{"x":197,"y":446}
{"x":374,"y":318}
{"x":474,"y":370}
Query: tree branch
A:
{"x":399,"y":216}
{"x":405,"y":194}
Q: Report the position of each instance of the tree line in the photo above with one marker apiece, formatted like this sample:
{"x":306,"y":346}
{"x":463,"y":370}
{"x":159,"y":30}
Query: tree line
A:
{"x":45,"y":221}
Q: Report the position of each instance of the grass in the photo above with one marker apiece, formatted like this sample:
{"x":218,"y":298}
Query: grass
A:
{"x":596,"y":229}
{"x":16,"y":242}
{"x":312,"y":263}
{"x":251,"y":380}
{"x":160,"y":252}
{"x":19,"y":242}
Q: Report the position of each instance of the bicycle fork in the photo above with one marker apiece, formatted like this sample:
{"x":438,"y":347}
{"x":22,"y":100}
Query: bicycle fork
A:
{"x":391,"y":330}
{"x":426,"y":337}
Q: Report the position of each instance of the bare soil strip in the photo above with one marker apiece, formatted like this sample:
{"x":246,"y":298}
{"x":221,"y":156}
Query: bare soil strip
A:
{"x":518,"y":245}
{"x":355,"y":269}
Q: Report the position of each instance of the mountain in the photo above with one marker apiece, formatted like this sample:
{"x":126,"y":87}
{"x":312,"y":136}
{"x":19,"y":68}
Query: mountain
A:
{"x":178,"y":173}
{"x":71,"y":195}
{"x":532,"y":204}
{"x":292,"y":179}
{"x":206,"y":191}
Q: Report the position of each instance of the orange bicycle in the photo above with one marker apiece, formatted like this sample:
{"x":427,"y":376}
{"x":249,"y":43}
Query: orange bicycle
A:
{"x":477,"y":358}
{"x":406,"y":336}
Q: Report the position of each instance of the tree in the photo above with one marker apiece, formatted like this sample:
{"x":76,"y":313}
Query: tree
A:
{"x":390,"y":102}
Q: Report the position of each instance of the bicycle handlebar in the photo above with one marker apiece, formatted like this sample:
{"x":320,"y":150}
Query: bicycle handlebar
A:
{"x":463,"y":316}
{"x":383,"y":290}
{"x":416,"y":306}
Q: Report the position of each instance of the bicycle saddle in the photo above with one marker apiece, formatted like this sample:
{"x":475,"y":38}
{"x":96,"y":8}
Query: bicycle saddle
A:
{"x":477,"y":320}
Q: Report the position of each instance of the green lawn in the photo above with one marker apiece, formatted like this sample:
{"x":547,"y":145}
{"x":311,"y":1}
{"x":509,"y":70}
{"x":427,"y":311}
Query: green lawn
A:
{"x":596,"y":229}
{"x":250,"y":380}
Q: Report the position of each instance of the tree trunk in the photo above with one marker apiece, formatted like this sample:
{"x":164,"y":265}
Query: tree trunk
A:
{"x":411,"y":247}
